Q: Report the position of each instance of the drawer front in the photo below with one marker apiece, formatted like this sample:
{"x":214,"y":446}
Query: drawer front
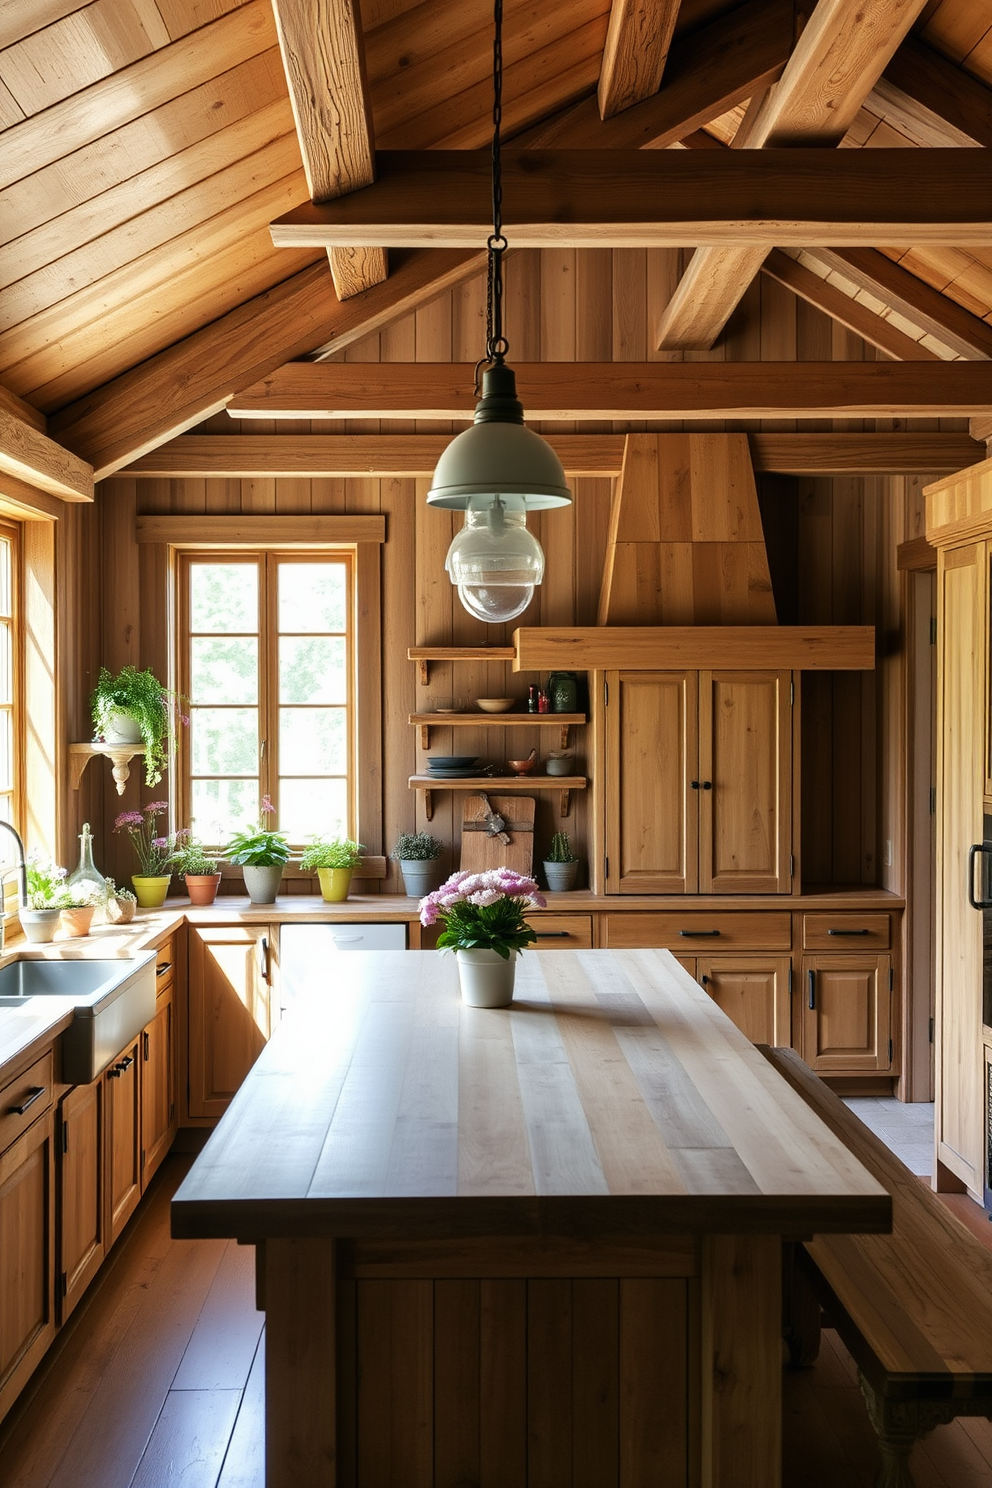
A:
{"x":26,"y":1098}
{"x":698,"y":932}
{"x":561,"y":932}
{"x":846,"y":932}
{"x":165,"y":965}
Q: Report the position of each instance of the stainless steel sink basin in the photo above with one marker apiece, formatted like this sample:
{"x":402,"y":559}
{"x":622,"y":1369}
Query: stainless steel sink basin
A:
{"x":112,"y":1001}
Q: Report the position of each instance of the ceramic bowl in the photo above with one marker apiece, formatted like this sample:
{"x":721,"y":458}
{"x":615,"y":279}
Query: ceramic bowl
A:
{"x":451,"y":761}
{"x":495,"y":705}
{"x":447,"y":705}
{"x":522,"y":767}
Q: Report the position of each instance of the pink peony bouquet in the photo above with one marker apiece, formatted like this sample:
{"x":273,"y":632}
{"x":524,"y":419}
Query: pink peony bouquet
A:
{"x":483,"y":911}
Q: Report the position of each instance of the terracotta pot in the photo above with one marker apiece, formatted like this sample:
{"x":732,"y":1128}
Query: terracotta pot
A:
{"x":334,"y":883}
{"x":486,"y":979}
{"x":202,"y":887}
{"x":77,"y":922}
{"x":151,"y":890}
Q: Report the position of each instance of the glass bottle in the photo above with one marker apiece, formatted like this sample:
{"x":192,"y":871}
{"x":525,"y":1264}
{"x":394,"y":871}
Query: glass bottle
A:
{"x":86,"y":872}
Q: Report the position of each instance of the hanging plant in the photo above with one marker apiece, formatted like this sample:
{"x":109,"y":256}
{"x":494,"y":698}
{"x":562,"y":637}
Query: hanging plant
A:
{"x":153,"y":708}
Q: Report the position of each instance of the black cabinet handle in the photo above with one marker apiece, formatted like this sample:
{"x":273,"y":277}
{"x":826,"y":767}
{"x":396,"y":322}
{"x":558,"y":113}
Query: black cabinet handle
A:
{"x":704,"y":979}
{"x":978,"y":850}
{"x":552,"y":934}
{"x":701,"y":784}
{"x":125,"y":1063}
{"x":264,"y":946}
{"x":848,"y":932}
{"x":162,"y":968}
{"x":145,"y":1042}
{"x":698,"y":934}
{"x":114,"y":1073}
{"x":811,"y":976}
{"x":28,"y":1101}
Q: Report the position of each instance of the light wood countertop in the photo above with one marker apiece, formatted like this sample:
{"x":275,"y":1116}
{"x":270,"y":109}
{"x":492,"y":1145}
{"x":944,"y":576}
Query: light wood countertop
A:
{"x":613,"y":1097}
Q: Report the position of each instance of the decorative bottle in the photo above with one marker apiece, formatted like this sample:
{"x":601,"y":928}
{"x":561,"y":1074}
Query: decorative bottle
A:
{"x":86,"y":872}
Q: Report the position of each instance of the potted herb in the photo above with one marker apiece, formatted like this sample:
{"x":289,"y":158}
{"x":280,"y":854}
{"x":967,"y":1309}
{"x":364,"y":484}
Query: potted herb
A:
{"x":151,"y":883}
{"x":78,"y":907}
{"x":484,"y":924}
{"x":119,"y":905}
{"x":46,"y":891}
{"x":189,"y":858}
{"x":134,"y":708}
{"x":560,"y":866}
{"x":261,"y":853}
{"x":417,"y":854}
{"x":335,"y":860}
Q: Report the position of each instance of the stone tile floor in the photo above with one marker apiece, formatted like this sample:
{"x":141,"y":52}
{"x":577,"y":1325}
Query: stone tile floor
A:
{"x":904,"y":1126}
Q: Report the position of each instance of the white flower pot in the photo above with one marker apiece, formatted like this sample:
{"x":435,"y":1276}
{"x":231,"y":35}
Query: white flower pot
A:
{"x":39,"y":925}
{"x":486,"y":979}
{"x":122,"y":730}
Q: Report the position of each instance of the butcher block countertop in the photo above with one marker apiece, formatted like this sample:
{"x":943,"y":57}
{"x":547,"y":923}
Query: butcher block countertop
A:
{"x":613,"y":1097}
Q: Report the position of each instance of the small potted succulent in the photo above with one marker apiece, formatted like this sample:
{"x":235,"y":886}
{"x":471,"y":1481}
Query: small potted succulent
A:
{"x":152,"y":850}
{"x":119,"y":905}
{"x":46,"y":895}
{"x":134,"y":708}
{"x":560,"y":866}
{"x":334,"y":859}
{"x":261,"y":853}
{"x":189,"y":858}
{"x":418,"y":854}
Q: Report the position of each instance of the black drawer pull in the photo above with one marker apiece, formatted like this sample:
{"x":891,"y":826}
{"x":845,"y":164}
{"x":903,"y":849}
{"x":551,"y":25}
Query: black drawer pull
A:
{"x":125,"y":1063}
{"x":163,"y":967}
{"x":701,"y":784}
{"x":848,"y":932}
{"x":552,"y":934}
{"x":28,"y":1102}
{"x":812,"y":990}
{"x":698,"y":934}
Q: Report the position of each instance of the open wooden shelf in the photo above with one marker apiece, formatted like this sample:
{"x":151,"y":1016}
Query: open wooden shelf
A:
{"x":121,"y":754}
{"x":564,"y":784}
{"x":427,"y":721}
{"x":427,"y":654}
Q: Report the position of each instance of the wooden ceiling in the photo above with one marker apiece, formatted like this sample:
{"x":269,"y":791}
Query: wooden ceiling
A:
{"x":147,"y":145}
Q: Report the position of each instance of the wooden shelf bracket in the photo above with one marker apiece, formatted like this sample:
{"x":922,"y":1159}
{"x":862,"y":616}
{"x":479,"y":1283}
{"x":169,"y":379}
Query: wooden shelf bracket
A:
{"x":121,"y":755}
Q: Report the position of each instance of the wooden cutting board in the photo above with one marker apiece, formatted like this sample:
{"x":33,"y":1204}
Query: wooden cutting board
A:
{"x":480,"y":851}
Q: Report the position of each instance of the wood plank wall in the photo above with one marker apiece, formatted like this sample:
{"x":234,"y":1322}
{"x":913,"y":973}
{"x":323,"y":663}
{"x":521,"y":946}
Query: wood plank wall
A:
{"x":831,"y":544}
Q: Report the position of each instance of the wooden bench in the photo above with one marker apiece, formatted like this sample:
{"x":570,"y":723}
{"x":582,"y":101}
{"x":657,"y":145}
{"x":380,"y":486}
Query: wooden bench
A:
{"x":914,"y":1307}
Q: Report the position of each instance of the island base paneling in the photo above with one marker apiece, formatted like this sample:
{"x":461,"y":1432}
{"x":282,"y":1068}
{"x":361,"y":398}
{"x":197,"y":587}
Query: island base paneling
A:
{"x":491,"y":1362}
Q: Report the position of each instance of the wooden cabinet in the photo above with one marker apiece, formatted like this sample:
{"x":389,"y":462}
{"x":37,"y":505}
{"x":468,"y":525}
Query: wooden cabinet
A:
{"x":699,"y":789}
{"x":158,"y":1087}
{"x":27,"y":1238}
{"x":561,"y":932}
{"x":230,"y":1010}
{"x":693,"y":931}
{"x":122,"y":1145}
{"x":82,"y":1225}
{"x":847,"y":1013}
{"x":753,"y":991}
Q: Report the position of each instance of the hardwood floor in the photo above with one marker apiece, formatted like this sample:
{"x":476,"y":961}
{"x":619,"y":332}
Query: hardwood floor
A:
{"x":157,"y":1381}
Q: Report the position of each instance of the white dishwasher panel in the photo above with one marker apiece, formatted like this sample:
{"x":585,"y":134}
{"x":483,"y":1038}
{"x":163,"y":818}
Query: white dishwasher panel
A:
{"x":304,"y":951}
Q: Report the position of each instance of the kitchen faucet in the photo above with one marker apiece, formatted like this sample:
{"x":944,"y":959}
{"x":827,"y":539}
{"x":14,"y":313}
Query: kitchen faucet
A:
{"x":22,"y":866}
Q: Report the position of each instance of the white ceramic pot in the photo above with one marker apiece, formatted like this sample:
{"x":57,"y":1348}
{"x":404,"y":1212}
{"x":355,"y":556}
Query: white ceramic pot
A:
{"x":122,"y":730}
{"x":262,"y":881}
{"x":486,"y":979}
{"x":39,"y":925}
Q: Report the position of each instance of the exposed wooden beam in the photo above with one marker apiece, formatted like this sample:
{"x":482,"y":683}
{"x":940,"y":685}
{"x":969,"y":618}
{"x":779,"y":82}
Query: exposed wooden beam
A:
{"x":324,"y":59}
{"x":711,"y":71}
{"x":26,"y":412}
{"x":30,"y":456}
{"x":26,"y":503}
{"x":221,"y":530}
{"x":917,"y":555}
{"x":843,"y":50}
{"x":926,"y":307}
{"x":644,"y":198}
{"x":381,"y":456}
{"x":182,"y":385}
{"x":981,"y":429}
{"x":806,"y":647}
{"x":858,"y":318}
{"x":637,"y":42}
{"x":939,"y":103}
{"x":621,"y":390}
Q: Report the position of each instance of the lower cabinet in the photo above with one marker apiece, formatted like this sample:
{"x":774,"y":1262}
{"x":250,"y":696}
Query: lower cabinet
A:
{"x":27,"y":1246}
{"x":82,"y":1207}
{"x":561,"y":932}
{"x":753,"y":991}
{"x":159,"y":1115}
{"x":847,"y":1013}
{"x":122,"y":1147}
{"x":230,"y":1010}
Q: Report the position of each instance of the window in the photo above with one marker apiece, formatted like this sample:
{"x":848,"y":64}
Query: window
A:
{"x":267,"y":663}
{"x":9,"y":682}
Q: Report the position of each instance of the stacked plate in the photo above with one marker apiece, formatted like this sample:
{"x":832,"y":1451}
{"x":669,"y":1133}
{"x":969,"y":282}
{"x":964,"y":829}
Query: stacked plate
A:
{"x":452,"y":766}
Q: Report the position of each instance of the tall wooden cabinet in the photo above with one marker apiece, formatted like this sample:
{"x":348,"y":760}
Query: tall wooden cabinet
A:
{"x":698,"y":782}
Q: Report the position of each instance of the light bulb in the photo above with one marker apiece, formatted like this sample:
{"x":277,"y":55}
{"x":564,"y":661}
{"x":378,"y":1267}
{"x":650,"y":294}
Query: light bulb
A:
{"x":494,"y":562}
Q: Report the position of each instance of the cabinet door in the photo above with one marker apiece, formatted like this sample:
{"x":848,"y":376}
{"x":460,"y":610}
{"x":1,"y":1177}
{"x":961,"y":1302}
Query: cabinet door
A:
{"x":651,"y":810}
{"x":846,"y":1014}
{"x":753,"y":991}
{"x":122,"y":1151}
{"x":27,"y":1256}
{"x":962,"y":664}
{"x":82,"y":1216}
{"x":745,"y":782}
{"x":158,"y":1088}
{"x":229,"y":1011}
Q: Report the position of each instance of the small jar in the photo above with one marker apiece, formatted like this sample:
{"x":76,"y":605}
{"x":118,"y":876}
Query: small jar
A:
{"x":558,"y":762}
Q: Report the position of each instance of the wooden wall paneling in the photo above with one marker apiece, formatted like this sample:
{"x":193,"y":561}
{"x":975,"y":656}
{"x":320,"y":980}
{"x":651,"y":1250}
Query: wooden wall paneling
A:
{"x":778,"y":333}
{"x":457,"y":1391}
{"x":53,"y":653}
{"x":435,"y":601}
{"x":119,"y":646}
{"x":813,"y":566}
{"x":399,"y":676}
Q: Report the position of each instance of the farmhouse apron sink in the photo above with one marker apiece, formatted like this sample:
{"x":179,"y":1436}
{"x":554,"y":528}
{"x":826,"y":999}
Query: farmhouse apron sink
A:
{"x":112,"y":1001}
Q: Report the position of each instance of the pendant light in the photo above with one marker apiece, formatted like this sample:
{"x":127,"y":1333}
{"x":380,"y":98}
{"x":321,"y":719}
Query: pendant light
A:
{"x":498,"y":469}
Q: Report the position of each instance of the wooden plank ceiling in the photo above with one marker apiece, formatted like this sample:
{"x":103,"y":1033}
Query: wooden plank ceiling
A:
{"x":147,"y":145}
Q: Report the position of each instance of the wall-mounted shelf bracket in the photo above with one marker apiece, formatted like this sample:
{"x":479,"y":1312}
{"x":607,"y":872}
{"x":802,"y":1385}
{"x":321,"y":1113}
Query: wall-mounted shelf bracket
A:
{"x":121,"y":755}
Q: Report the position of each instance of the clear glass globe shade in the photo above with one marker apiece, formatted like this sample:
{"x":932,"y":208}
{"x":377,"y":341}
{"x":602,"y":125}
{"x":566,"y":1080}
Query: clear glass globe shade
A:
{"x":495,"y":548}
{"x":495,"y":602}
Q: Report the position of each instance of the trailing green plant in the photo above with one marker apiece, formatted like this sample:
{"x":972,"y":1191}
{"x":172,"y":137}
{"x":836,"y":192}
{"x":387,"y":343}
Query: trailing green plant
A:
{"x":152,"y":850}
{"x":416,"y":847}
{"x":189,"y":855}
{"x":331,"y":852}
{"x":141,"y":697}
{"x":259,"y":846}
{"x":560,"y":850}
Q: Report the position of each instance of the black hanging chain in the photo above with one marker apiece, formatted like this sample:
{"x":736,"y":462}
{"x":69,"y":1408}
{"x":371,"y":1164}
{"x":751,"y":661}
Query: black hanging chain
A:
{"x":497,"y":345}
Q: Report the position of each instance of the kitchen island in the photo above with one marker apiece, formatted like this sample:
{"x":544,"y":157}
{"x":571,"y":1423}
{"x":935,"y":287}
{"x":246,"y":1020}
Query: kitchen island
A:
{"x":535,"y":1245}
